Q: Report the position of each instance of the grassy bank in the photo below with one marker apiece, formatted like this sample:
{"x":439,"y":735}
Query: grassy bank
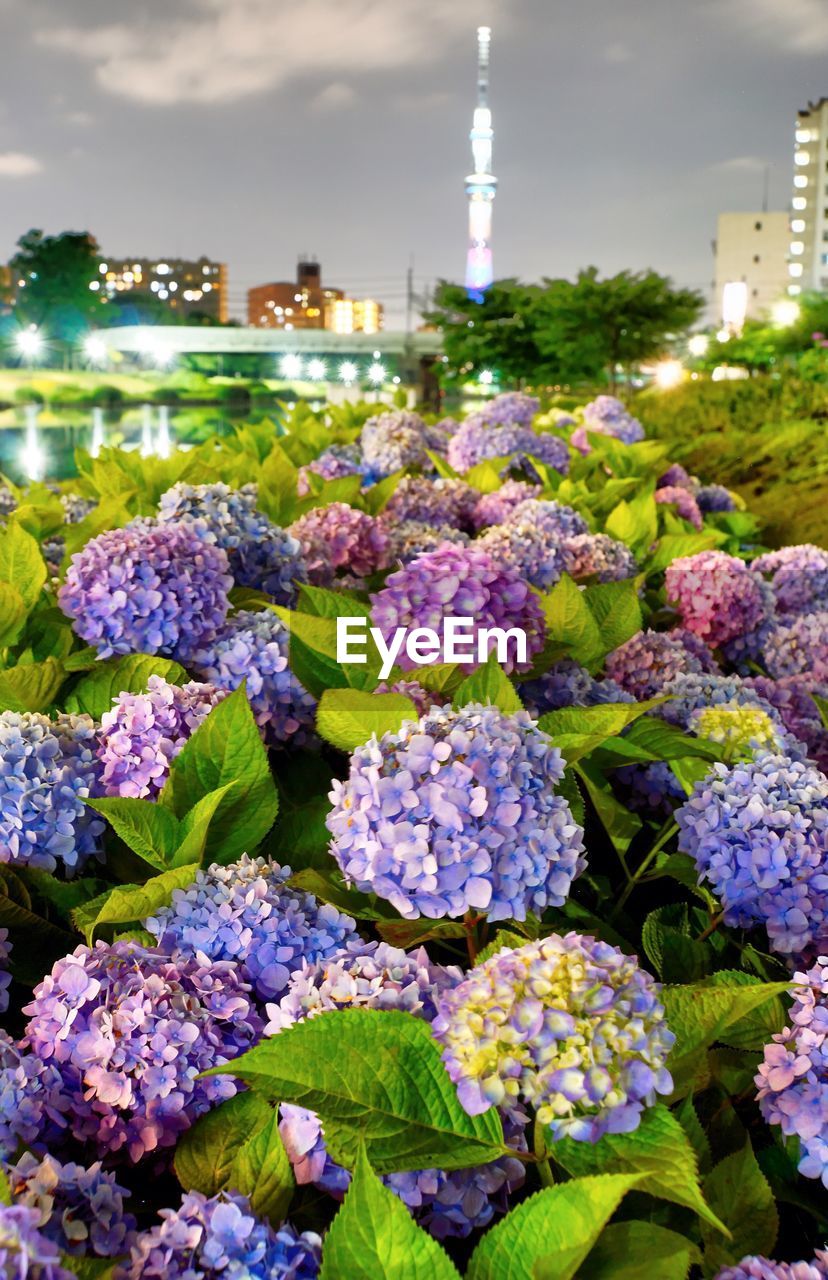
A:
{"x":765,"y":439}
{"x":78,"y":388}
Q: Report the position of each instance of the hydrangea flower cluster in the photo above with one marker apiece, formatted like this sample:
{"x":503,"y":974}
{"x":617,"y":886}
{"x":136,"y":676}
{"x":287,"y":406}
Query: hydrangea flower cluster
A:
{"x":607,"y":416}
{"x":409,"y":539}
{"x":254,"y":647}
{"x":739,"y":730}
{"x":340,"y":537}
{"x":423,"y":699}
{"x":459,"y":582}
{"x":455,"y":813}
{"x":496,"y":507}
{"x":248,"y":914}
{"x":525,"y":549}
{"x":81,"y":1210}
{"x":143,"y":733}
{"x":596,"y":555}
{"x":798,"y":576}
{"x":791,"y":697}
{"x":130,"y":1031}
{"x":76,"y":508}
{"x":441,"y":503}
{"x":758,"y":833}
{"x":333,"y":463}
{"x":5,"y":976}
{"x":793,"y":1078}
{"x":25,"y":1254}
{"x":569,"y":1025}
{"x":8,"y":502}
{"x":474,"y":442}
{"x":714,"y":498}
{"x":391,"y":441}
{"x":717,"y":596}
{"x":47,"y":770}
{"x":798,"y":647}
{"x":759,"y":1268}
{"x":33,"y":1106}
{"x":509,"y":409}
{"x":685,"y":504}
{"x":651,"y":788}
{"x":646,"y":663}
{"x":555,"y":520}
{"x":221,"y":1239}
{"x":677,"y":475}
{"x":147,"y":588}
{"x":568,"y":684}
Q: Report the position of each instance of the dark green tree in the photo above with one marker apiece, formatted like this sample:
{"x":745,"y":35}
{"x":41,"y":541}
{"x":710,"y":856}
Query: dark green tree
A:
{"x":56,"y":272}
{"x":495,"y":334}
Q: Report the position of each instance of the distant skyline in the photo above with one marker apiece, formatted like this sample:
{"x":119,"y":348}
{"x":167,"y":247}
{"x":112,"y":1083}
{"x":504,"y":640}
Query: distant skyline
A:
{"x":255,"y":130}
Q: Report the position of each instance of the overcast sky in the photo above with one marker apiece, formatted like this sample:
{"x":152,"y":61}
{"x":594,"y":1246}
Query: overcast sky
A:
{"x":253,"y":130}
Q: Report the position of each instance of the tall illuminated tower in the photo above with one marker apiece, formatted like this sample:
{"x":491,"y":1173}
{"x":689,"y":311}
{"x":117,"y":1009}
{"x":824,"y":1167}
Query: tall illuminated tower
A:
{"x":481,"y":185}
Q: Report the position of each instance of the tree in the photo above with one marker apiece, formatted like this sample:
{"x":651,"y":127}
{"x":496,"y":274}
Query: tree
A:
{"x":493,"y":334}
{"x":56,"y":272}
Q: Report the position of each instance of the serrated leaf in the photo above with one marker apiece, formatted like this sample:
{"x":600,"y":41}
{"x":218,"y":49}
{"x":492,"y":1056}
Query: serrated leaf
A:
{"x":329,"y":887}
{"x":12,"y":613}
{"x":132,"y":902}
{"x":321,"y":602}
{"x":374,"y":1237}
{"x":31,"y":686}
{"x":21,"y":563}
{"x":634,"y":522}
{"x":194,"y":829}
{"x":616,"y":609}
{"x":639,"y":1251}
{"x":489,"y":684}
{"x":687,"y":1117}
{"x":147,"y":828}
{"x":372,"y":1075}
{"x":738,"y":1191}
{"x":96,"y":692}
{"x":348,"y":717}
{"x":548,"y":1236}
{"x":758,"y":1026}
{"x":503,"y":938}
{"x":579,"y":730}
{"x":658,"y":1152}
{"x":620,"y":824}
{"x":570,"y":623}
{"x":673,"y":545}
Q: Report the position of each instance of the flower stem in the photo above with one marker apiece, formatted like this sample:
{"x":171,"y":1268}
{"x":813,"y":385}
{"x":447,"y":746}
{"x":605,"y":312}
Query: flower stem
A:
{"x":543,"y":1166}
{"x":667,"y":832}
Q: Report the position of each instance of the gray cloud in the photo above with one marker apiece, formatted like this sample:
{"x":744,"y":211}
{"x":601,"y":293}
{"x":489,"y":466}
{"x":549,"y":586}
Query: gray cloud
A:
{"x":16,"y":164}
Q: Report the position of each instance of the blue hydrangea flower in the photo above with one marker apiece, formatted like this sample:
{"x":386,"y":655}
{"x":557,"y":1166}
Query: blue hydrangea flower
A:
{"x":81,"y":1210}
{"x":496,"y":507}
{"x":606,"y":416}
{"x":793,"y":1078}
{"x":691,"y":693}
{"x":458,"y":812}
{"x":441,"y":503}
{"x":333,"y":463}
{"x":409,"y":539}
{"x":525,"y":549}
{"x":569,"y":1025}
{"x":47,"y":770}
{"x":255,"y":647}
{"x":76,"y":508}
{"x":712,"y":498}
{"x":130,"y":1031}
{"x":509,"y":409}
{"x":555,"y":520}
{"x":475,"y":442}
{"x":221,"y":1239}
{"x":568,"y":684}
{"x":147,"y":588}
{"x":798,"y":576}
{"x":646,"y":663}
{"x":792,"y":698}
{"x":759,"y":1268}
{"x":393,"y":440}
{"x":25,"y":1254}
{"x":248,"y":914}
{"x":798,"y":646}
{"x":740,"y":731}
{"x":758,"y":833}
{"x":33,"y":1106}
{"x":5,"y":976}
{"x":651,"y":788}
{"x":596,"y":555}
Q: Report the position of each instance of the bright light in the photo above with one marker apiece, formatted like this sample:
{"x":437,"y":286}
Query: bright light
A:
{"x":316,"y":370}
{"x":486,"y":377}
{"x":376,"y":374}
{"x":802,"y":157}
{"x":797,"y":247}
{"x":162,"y":356}
{"x":798,"y":225}
{"x":795,"y":269}
{"x":799,"y":203}
{"x":803,"y":135}
{"x":29,"y":343}
{"x":800,"y":180}
{"x":697,"y":345}
{"x":785,"y":312}
{"x":734,"y":304}
{"x":95,"y":349}
{"x":723,"y":335}
{"x":668,"y":373}
{"x":291,"y":366}
{"x":348,"y":371}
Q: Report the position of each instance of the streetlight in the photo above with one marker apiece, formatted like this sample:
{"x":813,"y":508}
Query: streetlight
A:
{"x":697,"y":345}
{"x":723,"y":335}
{"x":377,"y":374}
{"x":486,"y":377}
{"x":95,"y":349}
{"x":29,"y":344}
{"x":785,"y":312}
{"x":316,"y":369}
{"x":668,"y":373}
{"x":348,"y":372}
{"x":291,"y":366}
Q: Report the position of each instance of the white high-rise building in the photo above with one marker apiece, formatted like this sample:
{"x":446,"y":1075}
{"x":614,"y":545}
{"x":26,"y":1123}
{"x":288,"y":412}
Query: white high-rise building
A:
{"x":751,"y":265}
{"x":808,"y":247}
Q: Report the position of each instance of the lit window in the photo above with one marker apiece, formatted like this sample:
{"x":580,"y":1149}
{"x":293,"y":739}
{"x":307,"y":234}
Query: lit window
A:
{"x":288,"y":311}
{"x":797,"y":248}
{"x":103,"y":268}
{"x":800,"y":180}
{"x":799,"y":203}
{"x":795,"y":269}
{"x":803,"y":135}
{"x":206,"y":286}
{"x":794,"y":289}
{"x":798,"y":224}
{"x":173,"y":286}
{"x":297,"y":297}
{"x":802,"y":157}
{"x":94,"y":286}
{"x":162,"y":269}
{"x":206,"y":271}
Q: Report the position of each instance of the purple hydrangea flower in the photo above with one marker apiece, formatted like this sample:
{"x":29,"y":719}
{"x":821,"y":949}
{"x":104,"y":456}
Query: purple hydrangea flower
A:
{"x":76,"y":508}
{"x":25,"y":1254}
{"x":792,"y":698}
{"x":221,"y":1239}
{"x":717,"y":596}
{"x":678,"y":476}
{"x":459,"y":582}
{"x":33,"y":1106}
{"x":495,"y":508}
{"x":793,"y":1078}
{"x":144,"y":732}
{"x":8,"y":502}
{"x":606,"y":416}
{"x":441,"y":503}
{"x":569,"y":1025}
{"x":758,"y":833}
{"x":340,"y":537}
{"x":130,"y":1031}
{"x":798,"y":646}
{"x":555,"y":520}
{"x":81,"y":1210}
{"x":509,"y":409}
{"x":526,"y":550}
{"x":596,"y":555}
{"x":458,"y":812}
{"x":255,"y":647}
{"x":409,"y":539}
{"x":685,"y":504}
{"x":568,"y":684}
{"x":333,"y":463}
{"x":649,"y":660}
{"x":147,"y":588}
{"x":5,"y":976}
{"x":651,"y":788}
{"x":423,"y":699}
{"x":397,"y":439}
{"x":247,"y":913}
{"x":475,"y":442}
{"x":758,"y":1268}
{"x":798,"y":576}
{"x":47,"y":771}
{"x":691,"y":693}
{"x":713,"y":498}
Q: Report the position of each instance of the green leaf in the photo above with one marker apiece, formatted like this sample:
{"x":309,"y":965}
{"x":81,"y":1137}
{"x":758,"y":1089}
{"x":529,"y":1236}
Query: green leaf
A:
{"x":194,"y":830}
{"x":503,"y":938}
{"x":132,"y":902}
{"x":570,"y":622}
{"x":639,"y":1251}
{"x":31,"y":686}
{"x":658,"y":1151}
{"x":226,"y":747}
{"x":634,"y":522}
{"x":237,"y":1146}
{"x":739,"y":1193}
{"x":374,"y":1237}
{"x":670,"y":947}
{"x":485,"y":476}
{"x":347,"y":718}
{"x":36,"y":943}
{"x":579,"y":730}
{"x":548,"y":1235}
{"x":277,"y":492}
{"x":672,"y":545}
{"x":376,"y":498}
{"x":12,"y":613}
{"x":96,"y":692}
{"x":323,"y":603}
{"x":616,"y":609}
{"x":411,"y":933}
{"x":620,"y":824}
{"x":21,"y":563}
{"x":489,"y":684}
{"x":89,"y":1268}
{"x":666,"y":741}
{"x":147,"y":828}
{"x":375,"y":1075}
{"x":111,"y":512}
{"x":328,"y":886}
{"x":760,"y":1024}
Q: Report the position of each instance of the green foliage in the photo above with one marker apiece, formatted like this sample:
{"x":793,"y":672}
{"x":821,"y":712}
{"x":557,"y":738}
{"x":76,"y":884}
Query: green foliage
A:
{"x":96,"y":692}
{"x":738,"y":1191}
{"x":57,"y":270}
{"x":348,"y":717}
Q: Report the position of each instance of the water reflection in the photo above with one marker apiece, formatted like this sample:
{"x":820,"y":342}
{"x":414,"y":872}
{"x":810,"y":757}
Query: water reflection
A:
{"x":98,"y":432}
{"x":163,"y":439}
{"x":32,"y":457}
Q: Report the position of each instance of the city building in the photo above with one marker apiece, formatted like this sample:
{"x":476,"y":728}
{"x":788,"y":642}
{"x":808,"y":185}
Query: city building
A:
{"x":308,"y":304}
{"x":751,"y":265}
{"x":188,"y":288}
{"x":808,"y":245}
{"x":481,"y":185}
